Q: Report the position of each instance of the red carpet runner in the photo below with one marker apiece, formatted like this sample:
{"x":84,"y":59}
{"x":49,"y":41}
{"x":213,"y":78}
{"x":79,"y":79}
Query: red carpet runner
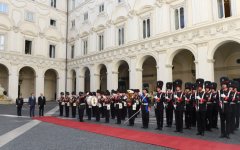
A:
{"x":169,"y":141}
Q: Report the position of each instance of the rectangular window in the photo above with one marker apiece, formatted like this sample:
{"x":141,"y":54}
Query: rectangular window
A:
{"x":224,"y":8}
{"x":52,"y":51}
{"x":53,"y":22}
{"x":29,"y":16}
{"x":85,"y":16}
{"x":101,"y":8}
{"x":73,"y":4}
{"x":2,"y":42}
{"x":72,"y":51}
{"x":3,"y":8}
{"x":101,"y":42}
{"x":53,"y":3}
{"x":28,"y":47}
{"x":179,"y":18}
{"x":146,"y":28}
{"x":73,"y":23}
{"x":120,"y":1}
{"x":121,"y":36}
{"x":85,"y":47}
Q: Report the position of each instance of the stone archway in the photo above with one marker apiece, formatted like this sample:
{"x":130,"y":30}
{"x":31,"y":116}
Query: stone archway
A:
{"x":149,"y":73}
{"x":50,"y":84}
{"x":184,"y":67}
{"x":103,"y":77}
{"x":123,"y":75}
{"x":227,"y":61}
{"x":86,"y":79}
{"x":27,"y":79}
{"x":4,"y":78}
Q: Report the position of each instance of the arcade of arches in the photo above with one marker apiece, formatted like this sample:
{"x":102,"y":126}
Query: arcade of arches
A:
{"x":187,"y":63}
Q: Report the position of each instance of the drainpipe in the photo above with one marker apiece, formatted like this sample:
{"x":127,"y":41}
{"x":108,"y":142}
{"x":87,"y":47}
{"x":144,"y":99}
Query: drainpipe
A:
{"x":66,"y":69}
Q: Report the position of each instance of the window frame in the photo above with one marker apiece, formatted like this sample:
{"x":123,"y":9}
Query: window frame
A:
{"x":26,"y":18}
{"x":85,"y":47}
{"x":50,"y":52}
{"x":4,"y":41}
{"x":6,"y":9}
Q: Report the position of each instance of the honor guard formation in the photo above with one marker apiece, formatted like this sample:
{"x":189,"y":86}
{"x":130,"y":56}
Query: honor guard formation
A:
{"x":200,"y":103}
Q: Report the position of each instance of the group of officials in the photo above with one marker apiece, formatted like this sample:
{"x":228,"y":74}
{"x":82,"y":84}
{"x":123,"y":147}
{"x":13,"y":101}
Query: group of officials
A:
{"x":200,"y":103}
{"x":31,"y":103}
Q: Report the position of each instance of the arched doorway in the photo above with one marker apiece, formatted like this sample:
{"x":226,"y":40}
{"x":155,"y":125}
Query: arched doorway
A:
{"x":123,"y":76}
{"x":27,"y":81}
{"x":50,"y":84}
{"x":227,"y":61}
{"x":149,"y":73}
{"x":184,"y":66}
{"x":4,"y":77}
{"x":87,"y":80}
{"x":103,"y":78}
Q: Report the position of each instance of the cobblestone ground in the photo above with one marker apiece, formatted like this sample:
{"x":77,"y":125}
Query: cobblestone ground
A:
{"x":46,"y":136}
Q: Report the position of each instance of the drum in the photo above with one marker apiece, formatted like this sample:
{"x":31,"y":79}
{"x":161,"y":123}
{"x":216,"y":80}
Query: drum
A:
{"x":94,"y":101}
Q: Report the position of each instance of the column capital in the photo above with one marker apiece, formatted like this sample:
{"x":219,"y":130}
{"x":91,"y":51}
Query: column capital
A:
{"x":211,"y":60}
{"x":115,"y":72}
{"x":168,"y":66}
{"x":139,"y":69}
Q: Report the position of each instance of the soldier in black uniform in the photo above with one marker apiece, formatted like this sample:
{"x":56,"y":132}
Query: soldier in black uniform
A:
{"x":89,"y":107}
{"x":215,"y":101}
{"x":73,"y":103}
{"x":225,"y":108}
{"x":81,"y":105}
{"x":159,"y":101}
{"x":179,"y":106}
{"x":118,"y":108}
{"x":112,"y":108}
{"x":193,"y":98}
{"x":233,"y":98}
{"x":169,"y":104}
{"x":19,"y":104}
{"x":124,"y":101}
{"x":209,"y":101}
{"x":67,"y":104}
{"x":201,"y":107}
{"x":106,"y":106}
{"x":188,"y":105}
{"x":61,"y":103}
{"x":97,"y":109}
{"x":132,"y":107}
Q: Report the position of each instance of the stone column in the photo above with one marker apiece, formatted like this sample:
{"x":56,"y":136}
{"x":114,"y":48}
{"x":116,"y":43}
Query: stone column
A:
{"x":13,"y":83}
{"x":112,"y":77}
{"x":39,"y":84}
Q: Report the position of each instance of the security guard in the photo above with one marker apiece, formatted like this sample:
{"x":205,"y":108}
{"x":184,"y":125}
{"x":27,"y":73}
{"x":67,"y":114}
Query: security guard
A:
{"x":145,"y":108}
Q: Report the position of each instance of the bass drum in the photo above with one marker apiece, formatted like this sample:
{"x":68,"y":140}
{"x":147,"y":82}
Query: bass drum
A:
{"x":89,"y":101}
{"x":94,"y":101}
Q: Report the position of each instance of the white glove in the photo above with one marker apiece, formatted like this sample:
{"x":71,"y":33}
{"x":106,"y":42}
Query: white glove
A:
{"x":223,"y":95}
{"x":156,"y":97}
{"x":175,"y":96}
{"x":198,"y":97}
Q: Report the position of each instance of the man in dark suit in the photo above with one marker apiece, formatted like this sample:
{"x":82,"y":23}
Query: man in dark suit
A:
{"x":41,"y":104}
{"x":32,"y":103}
{"x":19,"y":104}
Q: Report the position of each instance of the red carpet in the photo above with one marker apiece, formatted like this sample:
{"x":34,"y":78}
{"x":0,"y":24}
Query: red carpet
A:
{"x":169,"y":141}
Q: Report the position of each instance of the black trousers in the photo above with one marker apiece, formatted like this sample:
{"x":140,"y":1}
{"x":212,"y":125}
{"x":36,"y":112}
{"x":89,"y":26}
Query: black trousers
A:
{"x":106,"y":114}
{"x":130,"y":114}
{"x":209,"y":116}
{"x":81,"y":114}
{"x":124,"y":112}
{"x":119,"y":115}
{"x":179,"y":120}
{"x":32,"y":111}
{"x":194,"y":117}
{"x":112,"y":111}
{"x":61,"y":109}
{"x":159,"y":118}
{"x":188,"y":117}
{"x":237,"y":115}
{"x":169,"y":115}
{"x":41,"y":110}
{"x":19,"y":110}
{"x":201,"y":121}
{"x":97,"y":112}
{"x":215,"y":115}
{"x":66,"y":110}
{"x":145,"y":118}
{"x":233,"y":117}
{"x":89,"y":112}
{"x":225,"y":122}
{"x":74,"y":111}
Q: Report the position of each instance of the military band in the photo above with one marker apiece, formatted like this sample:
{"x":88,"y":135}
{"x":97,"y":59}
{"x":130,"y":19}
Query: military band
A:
{"x":200,"y":103}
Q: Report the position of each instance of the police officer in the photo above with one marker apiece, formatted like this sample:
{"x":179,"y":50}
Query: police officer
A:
{"x":215,"y":109}
{"x":225,"y":108}
{"x":169,"y":104}
{"x":19,"y":104}
{"x":188,"y":105}
{"x":159,"y":102}
{"x":201,"y":104}
{"x":179,"y":106}
{"x":145,"y":108}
